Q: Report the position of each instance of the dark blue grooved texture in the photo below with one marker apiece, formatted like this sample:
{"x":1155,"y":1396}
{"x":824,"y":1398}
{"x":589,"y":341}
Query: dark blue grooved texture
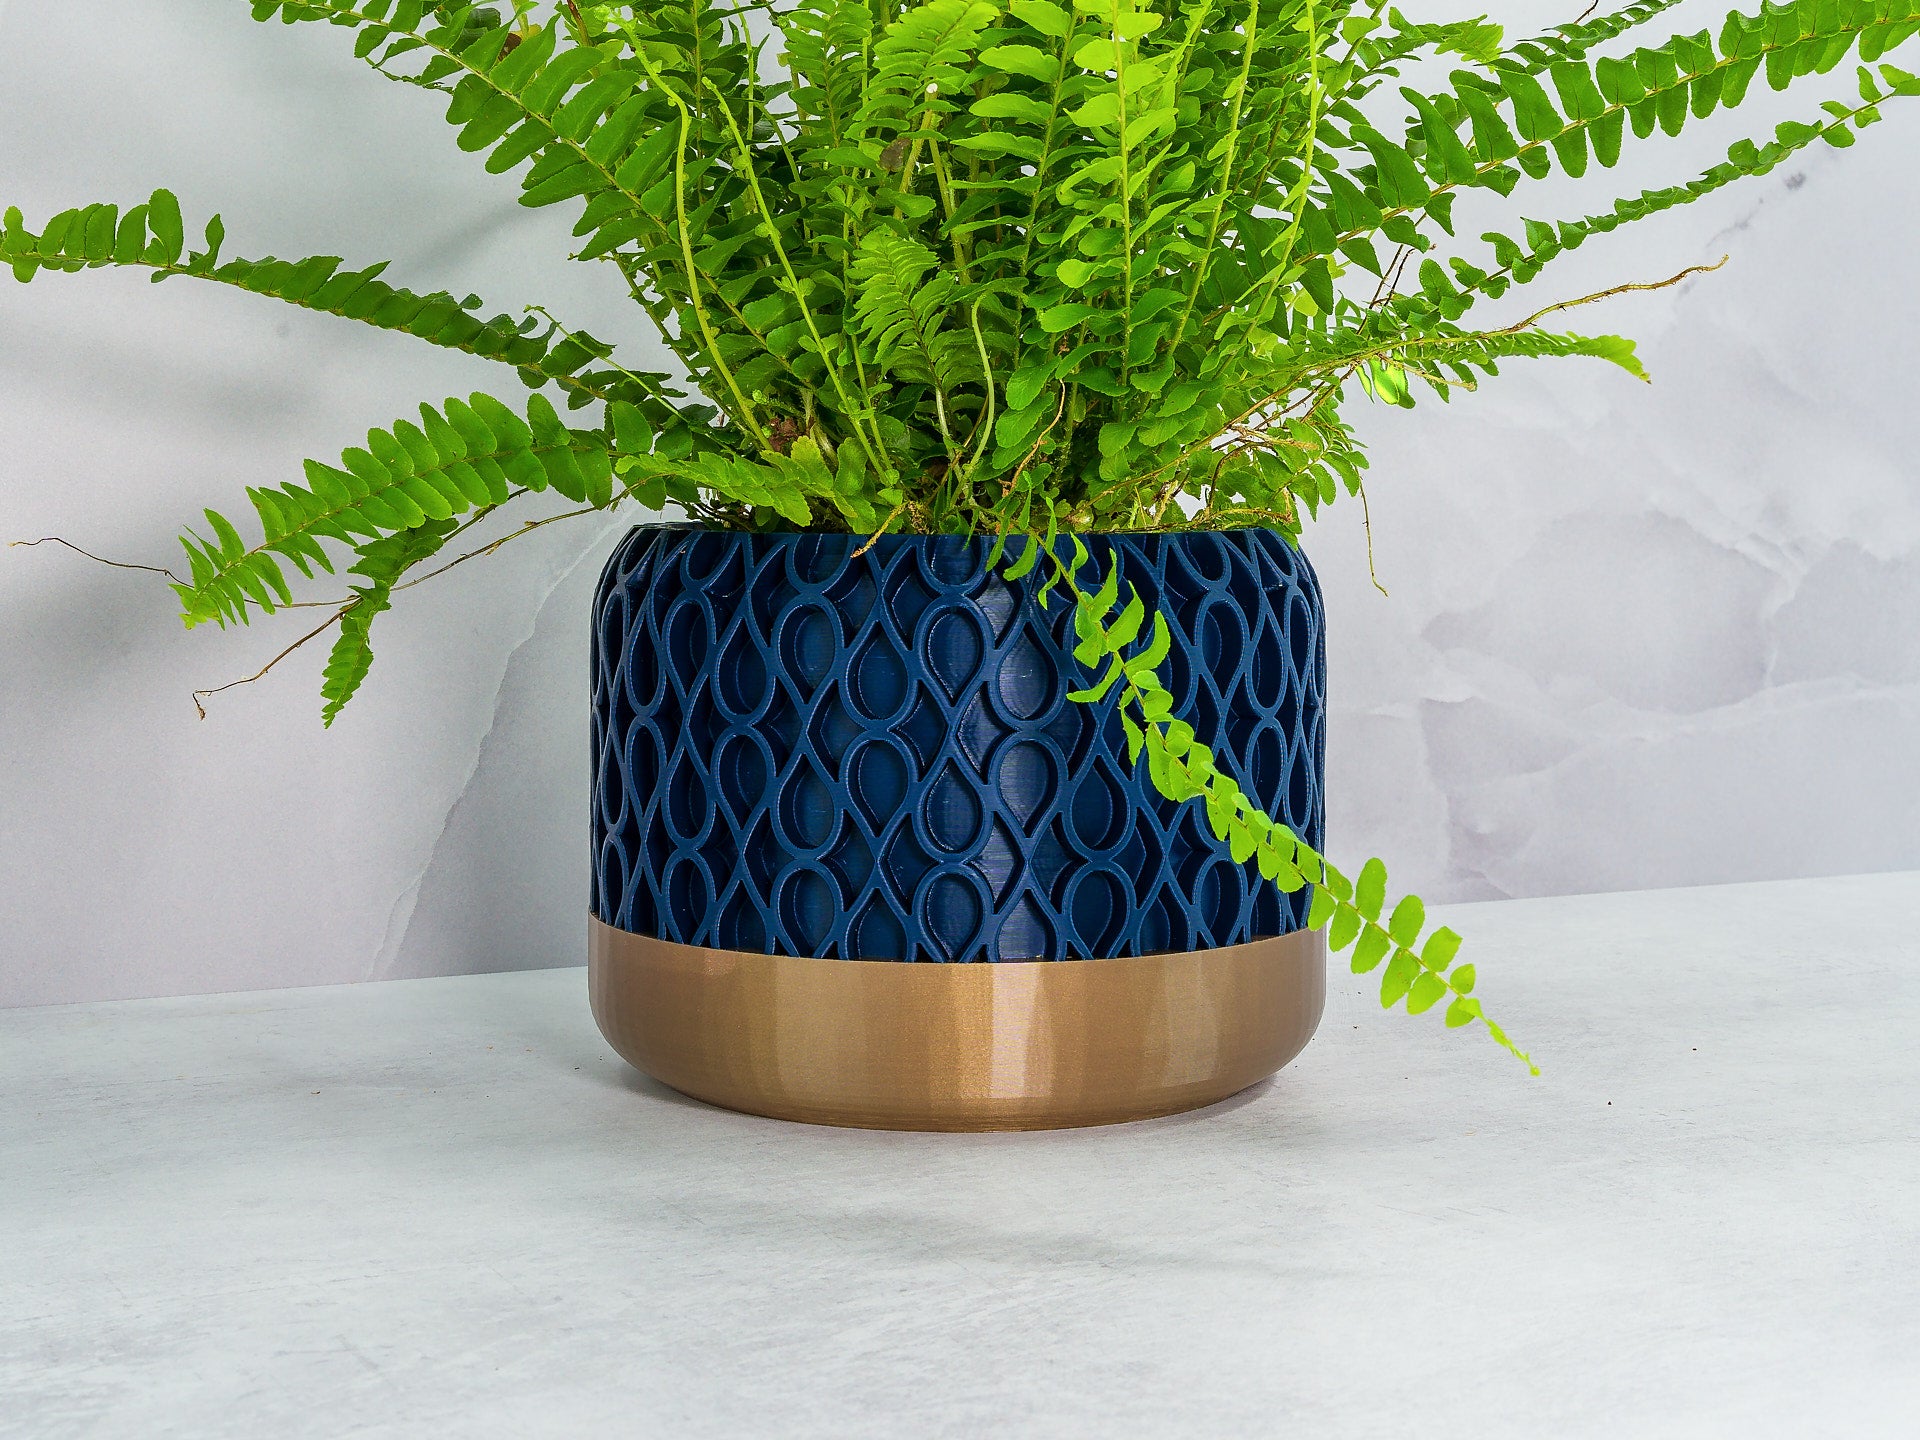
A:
{"x":803,"y":751}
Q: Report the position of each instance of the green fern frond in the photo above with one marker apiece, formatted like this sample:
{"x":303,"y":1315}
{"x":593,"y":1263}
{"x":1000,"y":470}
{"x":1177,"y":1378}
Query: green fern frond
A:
{"x":149,"y":237}
{"x":785,"y":483}
{"x":580,"y":114}
{"x":1382,"y":49}
{"x":461,"y":457}
{"x":826,"y":46}
{"x":383,"y":562}
{"x":1447,"y":360}
{"x":1419,"y":972}
{"x":902,"y":301}
{"x":1516,"y":263}
{"x":920,"y":64}
{"x":1494,"y":130}
{"x":1580,"y":38}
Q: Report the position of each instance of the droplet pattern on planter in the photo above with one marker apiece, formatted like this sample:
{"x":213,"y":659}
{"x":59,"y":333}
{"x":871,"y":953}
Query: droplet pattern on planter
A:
{"x":803,"y":751}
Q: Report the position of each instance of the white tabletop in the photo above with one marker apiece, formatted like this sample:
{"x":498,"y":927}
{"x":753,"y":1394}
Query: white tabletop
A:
{"x":443,"y":1208}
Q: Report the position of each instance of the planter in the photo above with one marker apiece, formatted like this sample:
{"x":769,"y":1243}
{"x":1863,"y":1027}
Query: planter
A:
{"x":859,"y":860}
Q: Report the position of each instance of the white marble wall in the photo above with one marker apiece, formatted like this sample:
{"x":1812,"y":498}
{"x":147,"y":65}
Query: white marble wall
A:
{"x":1636,"y":636}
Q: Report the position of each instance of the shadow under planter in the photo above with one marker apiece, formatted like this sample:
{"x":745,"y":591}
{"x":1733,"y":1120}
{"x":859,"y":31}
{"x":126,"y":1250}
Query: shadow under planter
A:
{"x":859,"y":859}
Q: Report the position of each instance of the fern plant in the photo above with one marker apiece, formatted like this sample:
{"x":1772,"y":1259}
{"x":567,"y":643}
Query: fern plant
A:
{"x":1027,"y":269}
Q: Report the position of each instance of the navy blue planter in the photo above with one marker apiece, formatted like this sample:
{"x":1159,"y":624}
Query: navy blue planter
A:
{"x":803,"y":751}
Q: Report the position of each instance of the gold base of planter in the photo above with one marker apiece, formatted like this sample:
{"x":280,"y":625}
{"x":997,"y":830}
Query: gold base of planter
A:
{"x":1013,"y":1045}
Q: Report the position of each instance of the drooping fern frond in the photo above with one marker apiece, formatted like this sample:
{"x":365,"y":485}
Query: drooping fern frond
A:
{"x":149,"y":237}
{"x":383,"y":563}
{"x":463,"y":455}
{"x":1420,"y":972}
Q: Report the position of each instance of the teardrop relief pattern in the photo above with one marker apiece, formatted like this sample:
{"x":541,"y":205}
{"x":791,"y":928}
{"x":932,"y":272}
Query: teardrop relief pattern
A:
{"x":804,"y":751}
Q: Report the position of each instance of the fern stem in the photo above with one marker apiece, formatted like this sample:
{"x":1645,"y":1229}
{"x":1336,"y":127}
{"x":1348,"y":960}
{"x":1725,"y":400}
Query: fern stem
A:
{"x":1125,"y":150}
{"x":1629,"y":288}
{"x":1229,"y":809}
{"x":855,"y":413}
{"x":260,"y":674}
{"x":1297,"y":198}
{"x":944,"y":186}
{"x":747,"y":416}
{"x":527,"y":527}
{"x":97,"y":559}
{"x":984,"y":425}
{"x":1221,"y":186}
{"x":1046,"y":151}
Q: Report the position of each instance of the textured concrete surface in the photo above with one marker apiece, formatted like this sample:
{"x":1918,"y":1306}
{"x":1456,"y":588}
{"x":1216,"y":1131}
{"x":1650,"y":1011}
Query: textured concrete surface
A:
{"x":1637,"y":637}
{"x":441,"y":1207}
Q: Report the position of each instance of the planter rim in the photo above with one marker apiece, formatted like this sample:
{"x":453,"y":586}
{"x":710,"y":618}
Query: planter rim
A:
{"x":695,"y":527}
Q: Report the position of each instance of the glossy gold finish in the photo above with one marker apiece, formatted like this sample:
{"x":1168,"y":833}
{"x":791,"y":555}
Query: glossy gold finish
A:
{"x":1013,"y":1045}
